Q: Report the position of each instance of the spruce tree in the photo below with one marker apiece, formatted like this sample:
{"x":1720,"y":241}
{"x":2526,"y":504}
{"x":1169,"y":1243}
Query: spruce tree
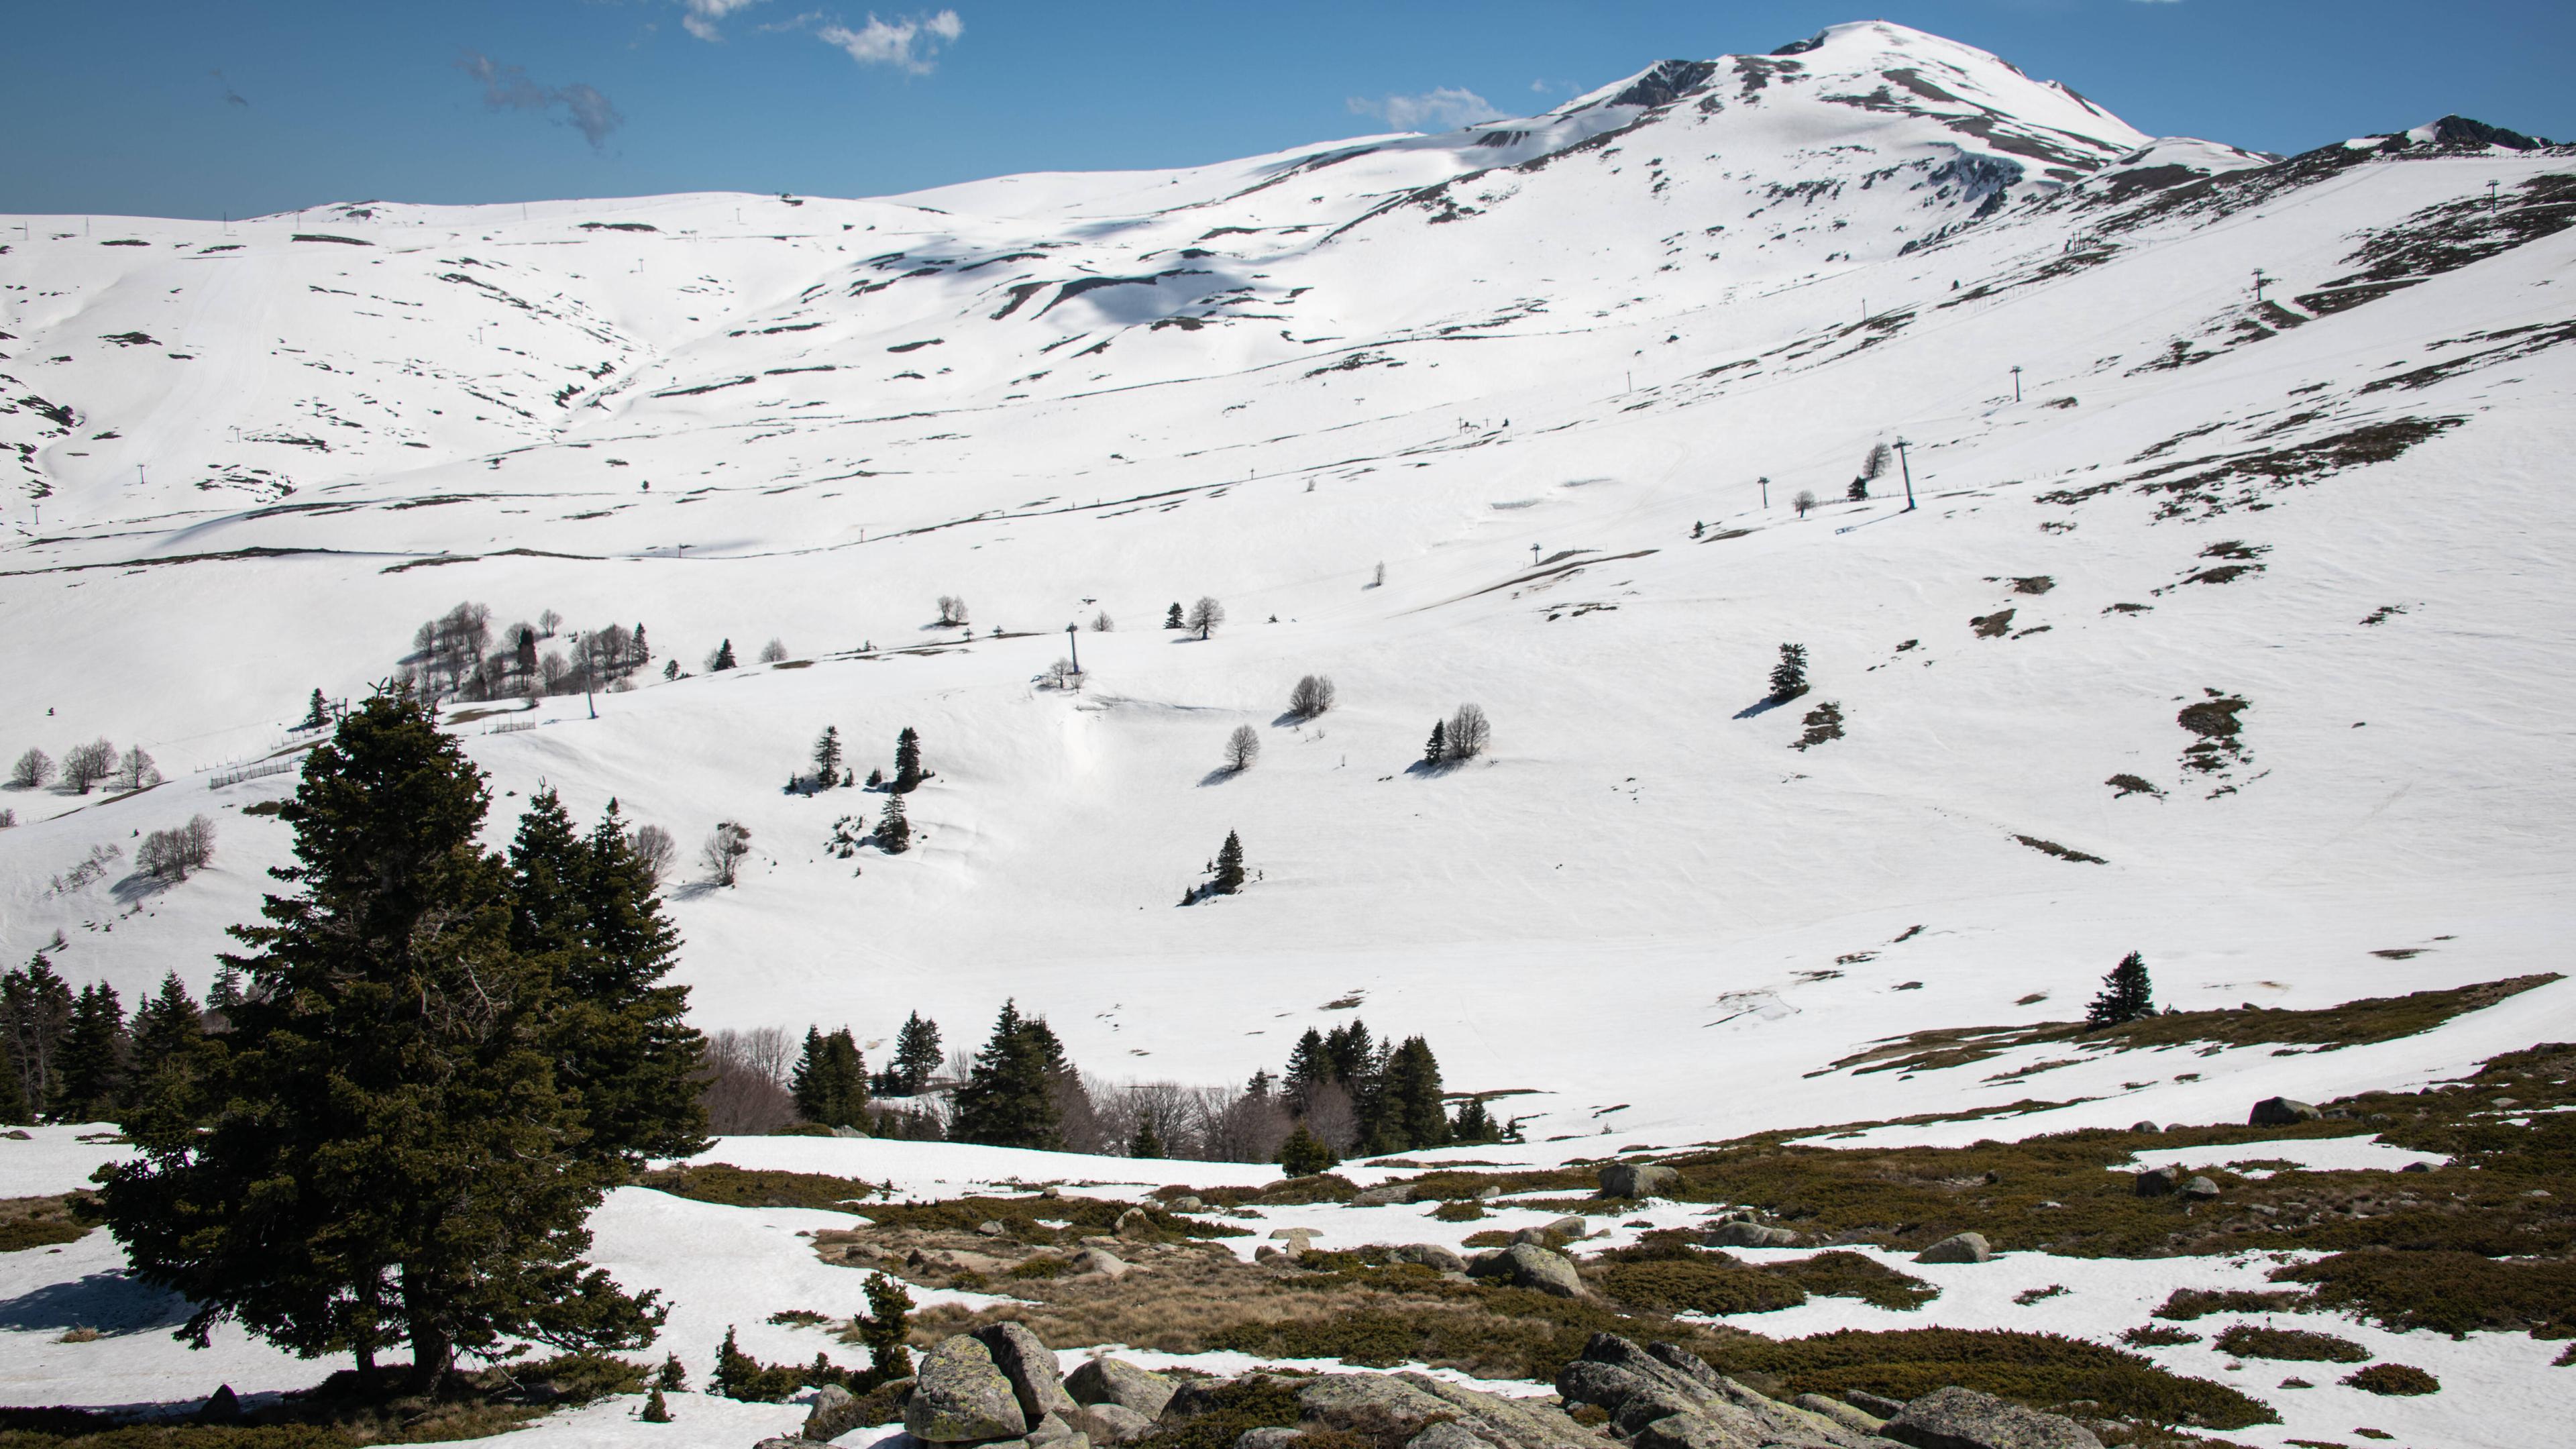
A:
{"x":1007,"y":1099}
{"x":1410,"y":1105}
{"x":1789,"y":676}
{"x":1438,"y":749}
{"x":13,"y":1101}
{"x":723,"y":658}
{"x":317,"y":713}
{"x":1350,"y":1051}
{"x":1304,"y":1154}
{"x":1309,"y":1066}
{"x":1173,"y":619}
{"x":225,"y":992}
{"x":174,"y":1063}
{"x":395,"y":1157}
{"x":1473,"y":1123}
{"x":1146,"y":1142}
{"x":887,"y":1330}
{"x":894,"y":830}
{"x":94,"y":1055}
{"x":1229,"y":866}
{"x":35,"y":1016}
{"x":907,"y":761}
{"x":827,"y":757}
{"x":916,"y":1053}
{"x":830,"y":1080}
{"x":2127,"y":995}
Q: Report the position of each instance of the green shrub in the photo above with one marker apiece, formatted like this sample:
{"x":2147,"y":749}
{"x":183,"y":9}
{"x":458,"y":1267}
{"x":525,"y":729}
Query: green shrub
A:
{"x":1838,"y":1274}
{"x":1253,"y":1402}
{"x":2185,"y":1304}
{"x":2040,"y":1369}
{"x":20,"y":1234}
{"x":1458,"y":1212}
{"x":2296,"y":1345}
{"x":1042,"y":1266}
{"x":2451,"y":1293}
{"x":2156,"y":1335}
{"x":2394,"y":1378}
{"x":1705,"y":1284}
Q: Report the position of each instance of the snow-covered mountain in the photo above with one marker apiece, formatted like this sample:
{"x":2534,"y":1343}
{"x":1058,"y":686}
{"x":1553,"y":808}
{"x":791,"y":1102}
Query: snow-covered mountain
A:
{"x":2291,"y":556}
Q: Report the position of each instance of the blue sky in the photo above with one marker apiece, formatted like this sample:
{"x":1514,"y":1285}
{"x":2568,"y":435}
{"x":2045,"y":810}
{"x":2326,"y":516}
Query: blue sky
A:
{"x":202,"y":107}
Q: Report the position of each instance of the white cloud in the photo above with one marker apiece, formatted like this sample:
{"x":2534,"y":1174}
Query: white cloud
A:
{"x":906,"y":44}
{"x":1443,"y":109}
{"x":702,"y":15}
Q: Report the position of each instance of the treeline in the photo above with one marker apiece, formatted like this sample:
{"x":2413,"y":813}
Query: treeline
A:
{"x":76,"y":1057}
{"x":1343,"y":1094}
{"x":85,"y":767}
{"x":459,"y":656}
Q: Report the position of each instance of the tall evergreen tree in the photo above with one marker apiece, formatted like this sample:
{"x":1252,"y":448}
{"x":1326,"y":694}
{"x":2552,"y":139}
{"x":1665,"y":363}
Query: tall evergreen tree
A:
{"x":916,"y":1053}
{"x":13,"y":1102}
{"x":2127,"y":995}
{"x":225,"y":992}
{"x":1351,"y":1052}
{"x":317,"y":713}
{"x":1304,"y":1154}
{"x":174,"y":1063}
{"x":723,"y":657}
{"x":827,"y":757}
{"x":1437,"y":749}
{"x":395,"y":1157}
{"x":907,"y":761}
{"x":894,"y":828}
{"x":1789,"y":676}
{"x":1007,"y":1099}
{"x":1410,"y":1099}
{"x":94,"y":1055}
{"x":35,"y":1016}
{"x":831,"y":1080}
{"x":1228,"y":877}
{"x":1309,"y":1066}
{"x":1146,"y":1142}
{"x":1173,"y":619}
{"x":1473,"y":1123}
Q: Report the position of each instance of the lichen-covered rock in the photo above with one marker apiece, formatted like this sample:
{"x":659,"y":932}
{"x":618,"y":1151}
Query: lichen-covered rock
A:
{"x":1111,"y":1423}
{"x":1030,"y":1365}
{"x":1343,"y":1400}
{"x":1266,"y":1437}
{"x":1507,"y":1423}
{"x":2200,"y":1189}
{"x":960,"y":1396}
{"x":1392,"y":1193}
{"x":1447,"y":1435}
{"x":1957,"y":1418}
{"x":1958,"y":1248}
{"x":1743,"y":1233}
{"x":2282,"y":1112}
{"x":1116,"y":1381}
{"x":1841,"y":1413}
{"x":1052,"y":1432}
{"x":1136,"y":1225}
{"x":1527,"y":1265}
{"x":1429,"y":1255}
{"x":835,"y":1412}
{"x":1638,"y":1179}
{"x":1690,"y":1431}
{"x":1100,"y":1261}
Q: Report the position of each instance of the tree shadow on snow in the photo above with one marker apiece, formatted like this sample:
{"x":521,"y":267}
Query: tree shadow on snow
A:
{"x":1764,"y":705}
{"x":1434,"y":769}
{"x":111,"y":1303}
{"x":1218,"y":776}
{"x":138,"y":887}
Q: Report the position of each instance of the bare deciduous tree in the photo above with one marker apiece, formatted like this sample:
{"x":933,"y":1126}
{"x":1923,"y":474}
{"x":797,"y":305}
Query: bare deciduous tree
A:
{"x":1242,"y":748}
{"x":136,"y":769}
{"x":1469,"y":733}
{"x":722,"y":855}
{"x":33,"y":769}
{"x":1205,"y":615}
{"x":773,"y":651}
{"x":952,"y":610}
{"x":86,"y":765}
{"x":1101,"y":623}
{"x":1805,"y":500}
{"x":1312,"y":696}
{"x":549,"y":621}
{"x":745,"y":1087}
{"x":1062,"y":675}
{"x":655,"y":848}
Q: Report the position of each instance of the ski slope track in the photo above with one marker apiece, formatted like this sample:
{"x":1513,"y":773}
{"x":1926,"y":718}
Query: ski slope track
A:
{"x":1536,"y":369}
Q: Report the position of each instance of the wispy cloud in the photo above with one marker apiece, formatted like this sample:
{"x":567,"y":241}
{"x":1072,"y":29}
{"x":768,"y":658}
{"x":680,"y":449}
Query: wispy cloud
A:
{"x":702,"y":15}
{"x":1443,"y":109}
{"x":231,"y":96}
{"x":907,"y":44}
{"x":507,"y":88}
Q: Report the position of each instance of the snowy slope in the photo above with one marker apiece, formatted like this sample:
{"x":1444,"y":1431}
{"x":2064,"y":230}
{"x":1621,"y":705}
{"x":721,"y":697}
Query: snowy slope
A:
{"x":1515,"y":364}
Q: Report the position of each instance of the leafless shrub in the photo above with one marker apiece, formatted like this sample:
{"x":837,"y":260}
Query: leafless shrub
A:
{"x":745,"y":1087}
{"x":952,"y":611}
{"x":1242,"y":748}
{"x":33,"y":769}
{"x":1312,"y":696}
{"x":86,"y":765}
{"x":773,"y":652}
{"x":548,"y":622}
{"x":1062,"y":675}
{"x":1101,"y":623}
{"x":654,"y":847}
{"x":171,"y":854}
{"x":1206,"y":615}
{"x":8,"y":819}
{"x":722,"y":855}
{"x":1469,"y":733}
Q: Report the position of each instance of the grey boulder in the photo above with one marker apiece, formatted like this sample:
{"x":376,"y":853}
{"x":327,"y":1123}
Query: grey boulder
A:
{"x":1392,"y":1193}
{"x":1429,"y":1255}
{"x":1116,"y":1381}
{"x":1111,"y":1423}
{"x":1638,"y":1179}
{"x":1136,"y":1223}
{"x":1030,"y":1365}
{"x":1857,"y":1420}
{"x":1266,"y":1437}
{"x":1052,"y":1432}
{"x":960,"y":1396}
{"x":2200,"y":1189}
{"x":2282,"y":1112}
{"x":835,"y":1413}
{"x":1100,"y":1261}
{"x":1744,"y":1234}
{"x":2154,"y":1182}
{"x":1526,"y":1265}
{"x":1447,"y":1435}
{"x":1957,"y":1418}
{"x":1958,"y":1248}
{"x":1344,"y":1400}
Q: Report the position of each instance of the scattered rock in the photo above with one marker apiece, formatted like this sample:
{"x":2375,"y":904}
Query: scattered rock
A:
{"x":961,"y":1396}
{"x":2144,"y":1127}
{"x":1030,"y":1365}
{"x":1136,"y":1223}
{"x":1507,"y":1423}
{"x":1265,"y":1438}
{"x":1957,"y":1418}
{"x":1527,"y":1265}
{"x":2282,"y":1112}
{"x":1841,"y":1413}
{"x":1877,"y":1406}
{"x":1958,"y":1248}
{"x":989,"y":1229}
{"x":1053,"y":1432}
{"x":1392,"y":1193}
{"x":1743,"y":1233}
{"x":1116,"y":1381}
{"x":1185,"y":1203}
{"x":1446,"y":1435}
{"x":2417,"y":1167}
{"x":1665,"y":1397}
{"x":2155,"y":1182}
{"x":1051,"y":1190}
{"x":1299,"y":1236}
{"x":1268,"y":1254}
{"x":1100,"y":1261}
{"x":835,"y":1413}
{"x":1340,"y":1401}
{"x":1112,"y":1423}
{"x":1429,"y":1255}
{"x":1488,"y":1193}
{"x":2200,"y":1189}
{"x":1638,"y":1179}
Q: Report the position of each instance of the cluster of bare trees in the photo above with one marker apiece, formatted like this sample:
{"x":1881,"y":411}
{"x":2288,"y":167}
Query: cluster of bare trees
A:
{"x":722,"y":855}
{"x":952,"y":611}
{"x":745,"y":1086}
{"x":85,"y":767}
{"x":171,"y":854}
{"x":458,"y":656}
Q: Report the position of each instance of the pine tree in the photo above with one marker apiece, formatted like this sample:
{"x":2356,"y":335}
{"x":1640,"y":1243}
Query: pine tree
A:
{"x":317,"y":713}
{"x":1410,"y":1106}
{"x":831,"y":1080}
{"x":225,"y":992}
{"x":827,"y":757}
{"x":1146,"y":1142}
{"x":35,"y":1015}
{"x":723,"y":657}
{"x":1789,"y":676}
{"x":1007,"y":1098}
{"x":656,"y":1409}
{"x":13,"y":1101}
{"x":1438,"y":749}
{"x":673,"y":1376}
{"x":1304,"y":1154}
{"x":916,"y":1054}
{"x":1228,"y":877}
{"x":1173,"y":619}
{"x":907,"y":761}
{"x":1350,"y":1052}
{"x":1309,"y":1065}
{"x":94,"y":1055}
{"x":395,"y":1062}
{"x":638,"y":653}
{"x":2126,"y":995}
{"x":174,"y":1063}
{"x":1473,"y":1123}
{"x":894,"y":831}
{"x":887,"y":1330}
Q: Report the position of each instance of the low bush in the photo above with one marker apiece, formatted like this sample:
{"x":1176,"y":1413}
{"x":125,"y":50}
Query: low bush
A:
{"x":1458,"y":1212}
{"x":2295,"y":1345}
{"x":1253,"y":1402}
{"x":1707,"y":1284}
{"x":2041,"y":1369}
{"x":1850,"y":1275}
{"x":2451,"y":1293}
{"x":2185,"y":1304}
{"x":2394,"y":1378}
{"x":2156,"y":1335}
